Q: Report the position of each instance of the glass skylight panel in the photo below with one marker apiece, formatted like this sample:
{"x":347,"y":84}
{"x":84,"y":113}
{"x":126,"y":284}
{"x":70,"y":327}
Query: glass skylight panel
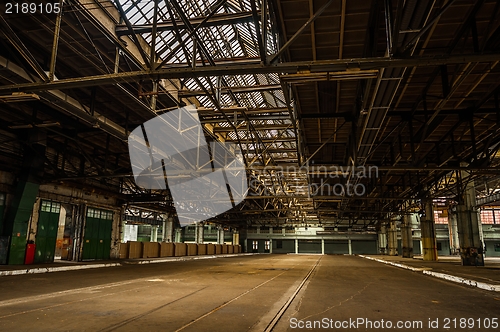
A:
{"x":223,"y":42}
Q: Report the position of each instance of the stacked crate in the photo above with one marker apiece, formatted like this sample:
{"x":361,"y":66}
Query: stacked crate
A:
{"x":180,"y":249}
{"x":167,"y":249}
{"x":150,"y":249}
{"x":134,"y":249}
{"x":202,"y":249}
{"x":210,"y":249}
{"x":192,"y":249}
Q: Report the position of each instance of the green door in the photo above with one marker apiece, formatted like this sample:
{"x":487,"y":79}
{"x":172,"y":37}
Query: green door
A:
{"x":46,"y":234}
{"x":2,"y":208}
{"x":97,"y":238}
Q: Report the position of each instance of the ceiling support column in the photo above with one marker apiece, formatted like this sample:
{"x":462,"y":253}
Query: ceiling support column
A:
{"x":21,"y":208}
{"x":453,"y":231}
{"x":199,"y":232}
{"x":154,"y":233}
{"x":428,"y":233}
{"x":406,"y":236}
{"x":382,"y":239}
{"x":168,"y":230}
{"x":220,"y":235}
{"x":392,"y":238}
{"x":469,"y":224}
{"x":178,"y":235}
{"x":236,"y":237}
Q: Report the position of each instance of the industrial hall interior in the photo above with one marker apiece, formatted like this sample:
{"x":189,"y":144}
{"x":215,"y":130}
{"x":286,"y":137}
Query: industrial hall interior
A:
{"x":260,"y":165}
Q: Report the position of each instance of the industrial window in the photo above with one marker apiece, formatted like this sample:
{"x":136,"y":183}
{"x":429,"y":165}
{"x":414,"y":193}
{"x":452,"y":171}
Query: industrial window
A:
{"x":497,"y":246}
{"x":490,"y":216}
{"x":255,"y":245}
{"x":49,"y":206}
{"x":91,"y":213}
{"x":440,"y":216}
{"x":439,"y":246}
{"x":266,"y":246}
{"x":99,"y":214}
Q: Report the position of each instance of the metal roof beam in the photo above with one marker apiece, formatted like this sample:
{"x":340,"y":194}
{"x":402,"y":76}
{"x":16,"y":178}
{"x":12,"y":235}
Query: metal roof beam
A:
{"x":253,"y":68}
{"x":215,"y":20}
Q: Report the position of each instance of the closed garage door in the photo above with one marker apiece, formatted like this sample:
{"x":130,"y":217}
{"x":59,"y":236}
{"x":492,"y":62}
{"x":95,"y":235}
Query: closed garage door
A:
{"x":416,"y":247}
{"x":283,"y":246}
{"x":46,"y":234}
{"x":443,"y":248}
{"x":309,"y":246}
{"x":336,"y":247}
{"x":492,"y":248}
{"x":364,"y":247}
{"x":97,"y":238}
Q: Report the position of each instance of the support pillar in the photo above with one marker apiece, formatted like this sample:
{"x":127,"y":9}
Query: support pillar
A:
{"x":349,"y":243}
{"x":382,"y":240}
{"x":19,"y":211}
{"x":323,"y":246}
{"x":236,"y":237}
{"x":296,"y":246}
{"x":168,"y":230}
{"x":154,"y":234}
{"x":220,"y":235}
{"x":178,"y":235}
{"x":406,"y":236}
{"x":392,"y":238}
{"x":453,"y":232}
{"x":429,"y":246}
{"x":270,"y":246}
{"x":199,"y":232}
{"x":469,"y":225}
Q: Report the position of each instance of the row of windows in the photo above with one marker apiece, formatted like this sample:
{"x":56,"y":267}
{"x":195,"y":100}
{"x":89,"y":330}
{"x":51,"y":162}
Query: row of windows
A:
{"x":54,"y":207}
{"x":267,"y":244}
{"x":99,"y":214}
{"x":49,"y":206}
{"x":489,"y":216}
{"x":276,"y":230}
{"x":441,"y":217}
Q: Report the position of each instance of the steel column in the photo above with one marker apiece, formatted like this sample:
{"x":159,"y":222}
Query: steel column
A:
{"x":429,"y":246}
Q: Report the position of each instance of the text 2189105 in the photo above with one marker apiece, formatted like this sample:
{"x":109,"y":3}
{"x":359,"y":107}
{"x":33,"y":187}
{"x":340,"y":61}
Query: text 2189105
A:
{"x":32,"y":8}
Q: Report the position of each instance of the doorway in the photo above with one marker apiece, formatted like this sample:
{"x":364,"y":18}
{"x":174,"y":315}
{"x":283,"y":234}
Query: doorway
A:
{"x":46,"y":234}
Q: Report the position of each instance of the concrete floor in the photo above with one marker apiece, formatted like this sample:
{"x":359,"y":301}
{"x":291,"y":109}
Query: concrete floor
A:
{"x":237,"y":294}
{"x":489,"y":273}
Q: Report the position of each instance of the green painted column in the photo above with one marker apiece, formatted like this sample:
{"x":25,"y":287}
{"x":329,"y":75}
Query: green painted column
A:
{"x":2,"y":211}
{"x":21,"y":207}
{"x":18,"y":219}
